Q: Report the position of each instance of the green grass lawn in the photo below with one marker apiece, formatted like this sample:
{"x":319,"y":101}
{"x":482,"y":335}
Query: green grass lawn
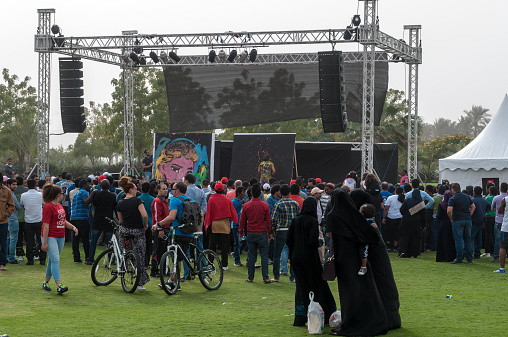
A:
{"x":477,"y":308}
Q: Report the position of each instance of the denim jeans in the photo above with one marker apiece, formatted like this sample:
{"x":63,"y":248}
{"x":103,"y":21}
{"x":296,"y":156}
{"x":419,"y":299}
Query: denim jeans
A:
{"x":255,"y":242}
{"x":476,"y":238}
{"x":435,"y":232}
{"x":199,"y":244}
{"x":497,"y":240}
{"x":236,"y":246}
{"x":12,"y":239}
{"x":93,"y":242}
{"x":148,"y":176}
{"x":284,"y":256}
{"x":462,"y":234}
{"x":55,"y":246}
{"x":280,"y":242}
{"x":4,"y":229}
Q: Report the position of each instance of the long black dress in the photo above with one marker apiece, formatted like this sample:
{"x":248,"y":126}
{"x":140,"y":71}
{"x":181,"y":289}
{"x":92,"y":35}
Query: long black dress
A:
{"x":445,"y":241}
{"x":361,"y":303}
{"x":413,"y":220}
{"x":302,"y":241}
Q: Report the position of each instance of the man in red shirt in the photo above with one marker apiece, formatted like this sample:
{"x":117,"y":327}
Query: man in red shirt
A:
{"x":295,"y":195}
{"x":255,"y":222}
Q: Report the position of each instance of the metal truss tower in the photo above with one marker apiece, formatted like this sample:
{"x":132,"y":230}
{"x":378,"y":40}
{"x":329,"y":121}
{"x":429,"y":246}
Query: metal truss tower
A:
{"x":128,"y":116}
{"x":43,"y":46}
{"x":412,"y":104}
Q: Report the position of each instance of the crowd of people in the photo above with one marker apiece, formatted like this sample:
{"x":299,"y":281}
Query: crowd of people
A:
{"x":293,"y":226}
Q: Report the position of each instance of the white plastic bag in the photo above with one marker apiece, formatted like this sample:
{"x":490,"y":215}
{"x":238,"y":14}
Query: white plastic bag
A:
{"x":315,"y":317}
{"x":335,"y":319}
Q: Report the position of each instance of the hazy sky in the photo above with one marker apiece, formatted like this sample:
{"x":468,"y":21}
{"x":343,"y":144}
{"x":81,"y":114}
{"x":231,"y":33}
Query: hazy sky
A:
{"x":465,"y":50}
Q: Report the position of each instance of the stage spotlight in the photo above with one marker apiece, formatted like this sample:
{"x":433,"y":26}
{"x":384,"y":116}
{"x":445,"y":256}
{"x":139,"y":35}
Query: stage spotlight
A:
{"x":59,"y":40}
{"x":222,"y":56}
{"x":137,"y":50}
{"x":174,"y":57}
{"x":126,"y":58}
{"x":253,"y":55}
{"x":356,"y":20}
{"x":134,"y":57}
{"x":243,"y":56}
{"x":154,"y":57}
{"x":348,"y":33}
{"x":211,"y":56}
{"x":142,"y":60}
{"x":55,"y":29}
{"x":232,"y":56}
{"x":164,"y":57}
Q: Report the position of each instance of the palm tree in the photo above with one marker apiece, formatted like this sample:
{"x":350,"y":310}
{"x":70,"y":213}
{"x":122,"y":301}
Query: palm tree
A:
{"x":442,"y":127}
{"x":479,"y":118}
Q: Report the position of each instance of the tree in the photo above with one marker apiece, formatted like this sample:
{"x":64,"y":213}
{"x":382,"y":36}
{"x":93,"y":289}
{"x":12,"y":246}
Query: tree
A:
{"x":479,"y":118}
{"x":18,"y":109}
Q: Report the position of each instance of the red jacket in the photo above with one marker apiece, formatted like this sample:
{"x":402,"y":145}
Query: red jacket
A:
{"x":160,"y":210}
{"x":219,"y":207}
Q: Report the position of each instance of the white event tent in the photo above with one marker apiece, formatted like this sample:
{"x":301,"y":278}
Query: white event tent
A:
{"x":486,"y":157}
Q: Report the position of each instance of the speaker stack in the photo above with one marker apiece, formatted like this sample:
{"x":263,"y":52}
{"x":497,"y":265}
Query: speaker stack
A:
{"x":71,"y":95}
{"x":332,"y":91}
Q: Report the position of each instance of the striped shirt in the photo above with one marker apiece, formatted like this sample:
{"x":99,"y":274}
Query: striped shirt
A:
{"x":284,"y":212}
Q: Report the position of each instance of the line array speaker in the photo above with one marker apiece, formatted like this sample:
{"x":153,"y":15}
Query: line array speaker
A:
{"x":71,"y":95}
{"x":331,"y":91}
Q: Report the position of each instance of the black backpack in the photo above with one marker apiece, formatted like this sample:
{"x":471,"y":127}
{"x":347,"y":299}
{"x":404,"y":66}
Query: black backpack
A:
{"x":191,"y":216}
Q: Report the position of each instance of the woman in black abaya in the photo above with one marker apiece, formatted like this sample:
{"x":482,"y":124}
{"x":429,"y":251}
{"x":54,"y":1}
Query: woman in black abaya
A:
{"x":445,"y":241}
{"x":302,"y":240}
{"x":361,"y":305}
{"x":413,"y":220}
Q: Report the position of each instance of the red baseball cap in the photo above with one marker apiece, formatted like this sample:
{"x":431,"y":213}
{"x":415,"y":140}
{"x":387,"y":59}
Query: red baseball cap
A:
{"x":102,"y":177}
{"x":318,"y":180}
{"x":292,"y":182}
{"x":224,"y":180}
{"x":219,"y":186}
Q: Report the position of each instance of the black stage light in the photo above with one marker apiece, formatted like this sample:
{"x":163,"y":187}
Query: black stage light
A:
{"x":232,"y":56}
{"x":154,"y":57}
{"x":356,"y":20}
{"x":59,"y":40}
{"x":142,"y":60}
{"x":174,"y":57}
{"x":134,"y":57}
{"x":126,"y":58}
{"x":211,"y":56}
{"x":253,"y":55}
{"x":348,"y":33}
{"x":55,"y":29}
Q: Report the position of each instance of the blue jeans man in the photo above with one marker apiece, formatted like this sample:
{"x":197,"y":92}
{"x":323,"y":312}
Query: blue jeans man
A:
{"x":476,"y":238}
{"x":236,"y":247}
{"x":462,"y":234}
{"x":148,"y":176}
{"x":280,"y":242}
{"x":497,"y":240}
{"x":12,"y":239}
{"x":284,"y":257}
{"x":257,"y":242}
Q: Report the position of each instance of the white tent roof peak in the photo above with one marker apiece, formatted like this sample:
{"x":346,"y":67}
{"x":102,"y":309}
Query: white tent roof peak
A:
{"x":489,"y":150}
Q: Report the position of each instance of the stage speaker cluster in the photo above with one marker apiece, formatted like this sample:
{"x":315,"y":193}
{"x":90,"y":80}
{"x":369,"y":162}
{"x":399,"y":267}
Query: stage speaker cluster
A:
{"x":71,"y":95}
{"x":332,"y":91}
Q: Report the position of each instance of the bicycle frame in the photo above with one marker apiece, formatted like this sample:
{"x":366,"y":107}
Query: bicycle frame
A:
{"x":175,"y":248}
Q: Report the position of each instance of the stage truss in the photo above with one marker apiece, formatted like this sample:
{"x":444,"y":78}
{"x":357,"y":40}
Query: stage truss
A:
{"x":105,"y":49}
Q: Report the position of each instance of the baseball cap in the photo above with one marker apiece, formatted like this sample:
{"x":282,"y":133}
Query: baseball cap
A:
{"x":224,"y":180}
{"x":318,"y":180}
{"x":219,"y":186}
{"x":102,"y":177}
{"x":316,"y":190}
{"x":266,"y":186}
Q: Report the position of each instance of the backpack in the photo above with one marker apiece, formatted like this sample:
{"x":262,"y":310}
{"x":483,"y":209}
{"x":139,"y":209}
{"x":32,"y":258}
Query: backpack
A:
{"x":191,"y":216}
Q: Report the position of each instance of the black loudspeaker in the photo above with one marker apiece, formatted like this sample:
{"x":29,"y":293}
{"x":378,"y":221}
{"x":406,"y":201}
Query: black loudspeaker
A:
{"x":71,"y":95}
{"x":331,"y":91}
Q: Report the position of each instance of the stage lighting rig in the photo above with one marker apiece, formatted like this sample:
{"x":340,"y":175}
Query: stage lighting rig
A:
{"x":253,"y":55}
{"x":232,"y":56}
{"x":348,"y":34}
{"x":172,"y":55}
{"x":137,"y":50}
{"x":211,"y":56}
{"x":222,"y":56}
{"x":243,"y":56}
{"x":55,"y":29}
{"x":356,"y":20}
{"x":154,"y":57}
{"x":164,"y":57}
{"x":126,"y":58}
{"x":135,"y":58}
{"x":142,"y":60}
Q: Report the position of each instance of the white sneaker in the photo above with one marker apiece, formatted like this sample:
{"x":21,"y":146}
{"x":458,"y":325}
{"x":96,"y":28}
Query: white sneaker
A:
{"x":20,"y":258}
{"x":485,"y":255}
{"x":141,"y":288}
{"x":225,"y":268}
{"x":36,"y":258}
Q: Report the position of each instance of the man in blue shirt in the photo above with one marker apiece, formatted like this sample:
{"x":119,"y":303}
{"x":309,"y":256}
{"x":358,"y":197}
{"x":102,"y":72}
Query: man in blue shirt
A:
{"x":415,"y":183}
{"x":238,"y":204}
{"x":460,"y":209}
{"x":79,"y":218}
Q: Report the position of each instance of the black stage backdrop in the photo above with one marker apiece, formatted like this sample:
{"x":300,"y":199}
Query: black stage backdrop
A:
{"x":250,"y":148}
{"x":328,"y":161}
{"x":205,"y":97}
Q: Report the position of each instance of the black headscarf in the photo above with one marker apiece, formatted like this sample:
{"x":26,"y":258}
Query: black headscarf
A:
{"x":345,"y":220}
{"x":360,"y":197}
{"x":309,"y":207}
{"x":415,"y":202}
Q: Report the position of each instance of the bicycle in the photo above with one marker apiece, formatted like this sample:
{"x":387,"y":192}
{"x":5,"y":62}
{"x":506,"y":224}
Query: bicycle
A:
{"x":207,"y":265}
{"x":113,"y":262}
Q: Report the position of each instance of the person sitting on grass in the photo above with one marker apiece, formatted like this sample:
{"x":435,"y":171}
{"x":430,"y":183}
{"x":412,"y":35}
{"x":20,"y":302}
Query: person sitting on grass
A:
{"x":368,"y":211}
{"x":53,"y":234}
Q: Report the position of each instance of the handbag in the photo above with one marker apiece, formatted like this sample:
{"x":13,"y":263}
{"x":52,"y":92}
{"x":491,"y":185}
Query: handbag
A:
{"x":329,"y":266}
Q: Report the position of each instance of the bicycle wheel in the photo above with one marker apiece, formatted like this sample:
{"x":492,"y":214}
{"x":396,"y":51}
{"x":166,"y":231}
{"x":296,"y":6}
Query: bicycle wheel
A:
{"x":211,"y":274}
{"x":104,"y":268}
{"x":130,"y":276}
{"x":169,"y":272}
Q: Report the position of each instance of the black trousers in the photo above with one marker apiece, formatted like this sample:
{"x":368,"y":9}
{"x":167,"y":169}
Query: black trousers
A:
{"x":33,"y":240}
{"x":83,"y":227}
{"x":220,"y":241}
{"x":160,"y":247}
{"x":149,"y":244}
{"x":489,"y":233}
{"x":21,"y":238}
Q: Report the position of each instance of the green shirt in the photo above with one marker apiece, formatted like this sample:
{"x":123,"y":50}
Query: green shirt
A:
{"x":489,"y":200}
{"x":437,"y":201}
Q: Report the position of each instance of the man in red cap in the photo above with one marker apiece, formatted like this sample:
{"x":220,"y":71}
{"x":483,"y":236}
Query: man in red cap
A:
{"x":219,"y":214}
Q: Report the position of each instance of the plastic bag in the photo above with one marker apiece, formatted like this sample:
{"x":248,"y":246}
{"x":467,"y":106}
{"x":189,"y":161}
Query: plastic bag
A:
{"x":315,"y":317}
{"x":335,"y":319}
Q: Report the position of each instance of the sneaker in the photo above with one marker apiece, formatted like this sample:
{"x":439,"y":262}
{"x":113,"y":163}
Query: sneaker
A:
{"x":225,"y":268}
{"x":141,"y":288}
{"x":20,"y":258}
{"x":45,"y":286}
{"x":14,"y":262}
{"x":456,"y":262}
{"x":362,"y":271}
{"x":500,"y":271}
{"x":485,"y":255}
{"x":257,"y":266}
{"x":36,"y":258}
{"x":61,"y":289}
{"x":270,"y":261}
{"x":239,"y":264}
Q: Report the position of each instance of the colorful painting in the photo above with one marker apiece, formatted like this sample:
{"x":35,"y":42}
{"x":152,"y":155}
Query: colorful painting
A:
{"x":176,"y":154}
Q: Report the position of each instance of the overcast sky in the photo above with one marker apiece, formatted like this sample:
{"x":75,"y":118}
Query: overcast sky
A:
{"x":465,"y":50}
